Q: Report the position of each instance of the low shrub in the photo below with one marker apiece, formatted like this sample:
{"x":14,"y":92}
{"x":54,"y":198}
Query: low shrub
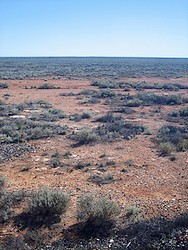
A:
{"x":19,"y":130}
{"x":105,"y":84}
{"x":85,"y":136}
{"x":15,"y":109}
{"x":118,"y":129}
{"x":101,"y":179}
{"x":103,"y":93}
{"x":79,"y":117}
{"x":2,"y":181}
{"x":48,"y":86}
{"x":49,"y":115}
{"x":5,"y":202}
{"x":153,"y":99}
{"x":95,"y":212}
{"x":126,"y":110}
{"x":55,"y":160}
{"x":147,"y":99}
{"x":108,"y":118}
{"x":133,"y":214}
{"x":47,"y":202}
{"x":3,"y":85}
{"x":16,"y":243}
{"x":76,"y":117}
{"x":136,"y":102}
{"x":166,"y":148}
{"x":81,"y":165}
{"x":86,"y":115}
{"x":169,"y":137}
{"x":179,"y":113}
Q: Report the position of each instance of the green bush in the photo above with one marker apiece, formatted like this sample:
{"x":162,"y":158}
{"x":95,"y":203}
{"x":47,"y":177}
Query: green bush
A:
{"x":48,"y":202}
{"x":95,"y":212}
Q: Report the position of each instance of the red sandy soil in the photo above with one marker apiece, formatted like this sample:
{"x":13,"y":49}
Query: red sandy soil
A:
{"x":156,"y":185}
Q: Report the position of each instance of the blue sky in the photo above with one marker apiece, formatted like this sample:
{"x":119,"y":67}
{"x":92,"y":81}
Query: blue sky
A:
{"x":156,"y":28}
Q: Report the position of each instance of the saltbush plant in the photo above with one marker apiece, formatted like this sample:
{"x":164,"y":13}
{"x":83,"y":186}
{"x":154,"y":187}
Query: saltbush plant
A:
{"x":5,"y":202}
{"x":48,"y":202}
{"x":96,"y":212}
{"x":85,"y":136}
{"x":179,"y":113}
{"x":19,"y":130}
{"x":48,"y":86}
{"x":166,"y":148}
{"x":169,"y":137}
{"x":3,"y":85}
{"x":2,"y":181}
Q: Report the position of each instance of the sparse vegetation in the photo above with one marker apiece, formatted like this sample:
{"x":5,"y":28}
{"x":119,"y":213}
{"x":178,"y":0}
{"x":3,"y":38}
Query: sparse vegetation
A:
{"x":118,"y":129}
{"x":20,"y":130}
{"x":97,"y":157}
{"x":138,"y":85}
{"x":17,"y":109}
{"x":92,"y":67}
{"x":50,"y":115}
{"x":110,"y":131}
{"x":146,"y":99}
{"x":22,"y":127}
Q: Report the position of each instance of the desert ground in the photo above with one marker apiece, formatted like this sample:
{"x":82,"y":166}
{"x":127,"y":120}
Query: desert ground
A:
{"x":130,"y":171}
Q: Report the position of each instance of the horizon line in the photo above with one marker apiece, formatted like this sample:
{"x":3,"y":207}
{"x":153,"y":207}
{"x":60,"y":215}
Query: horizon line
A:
{"x":157,"y":57}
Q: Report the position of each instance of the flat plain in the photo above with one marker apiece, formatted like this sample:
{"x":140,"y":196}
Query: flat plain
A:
{"x":113,"y":127}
